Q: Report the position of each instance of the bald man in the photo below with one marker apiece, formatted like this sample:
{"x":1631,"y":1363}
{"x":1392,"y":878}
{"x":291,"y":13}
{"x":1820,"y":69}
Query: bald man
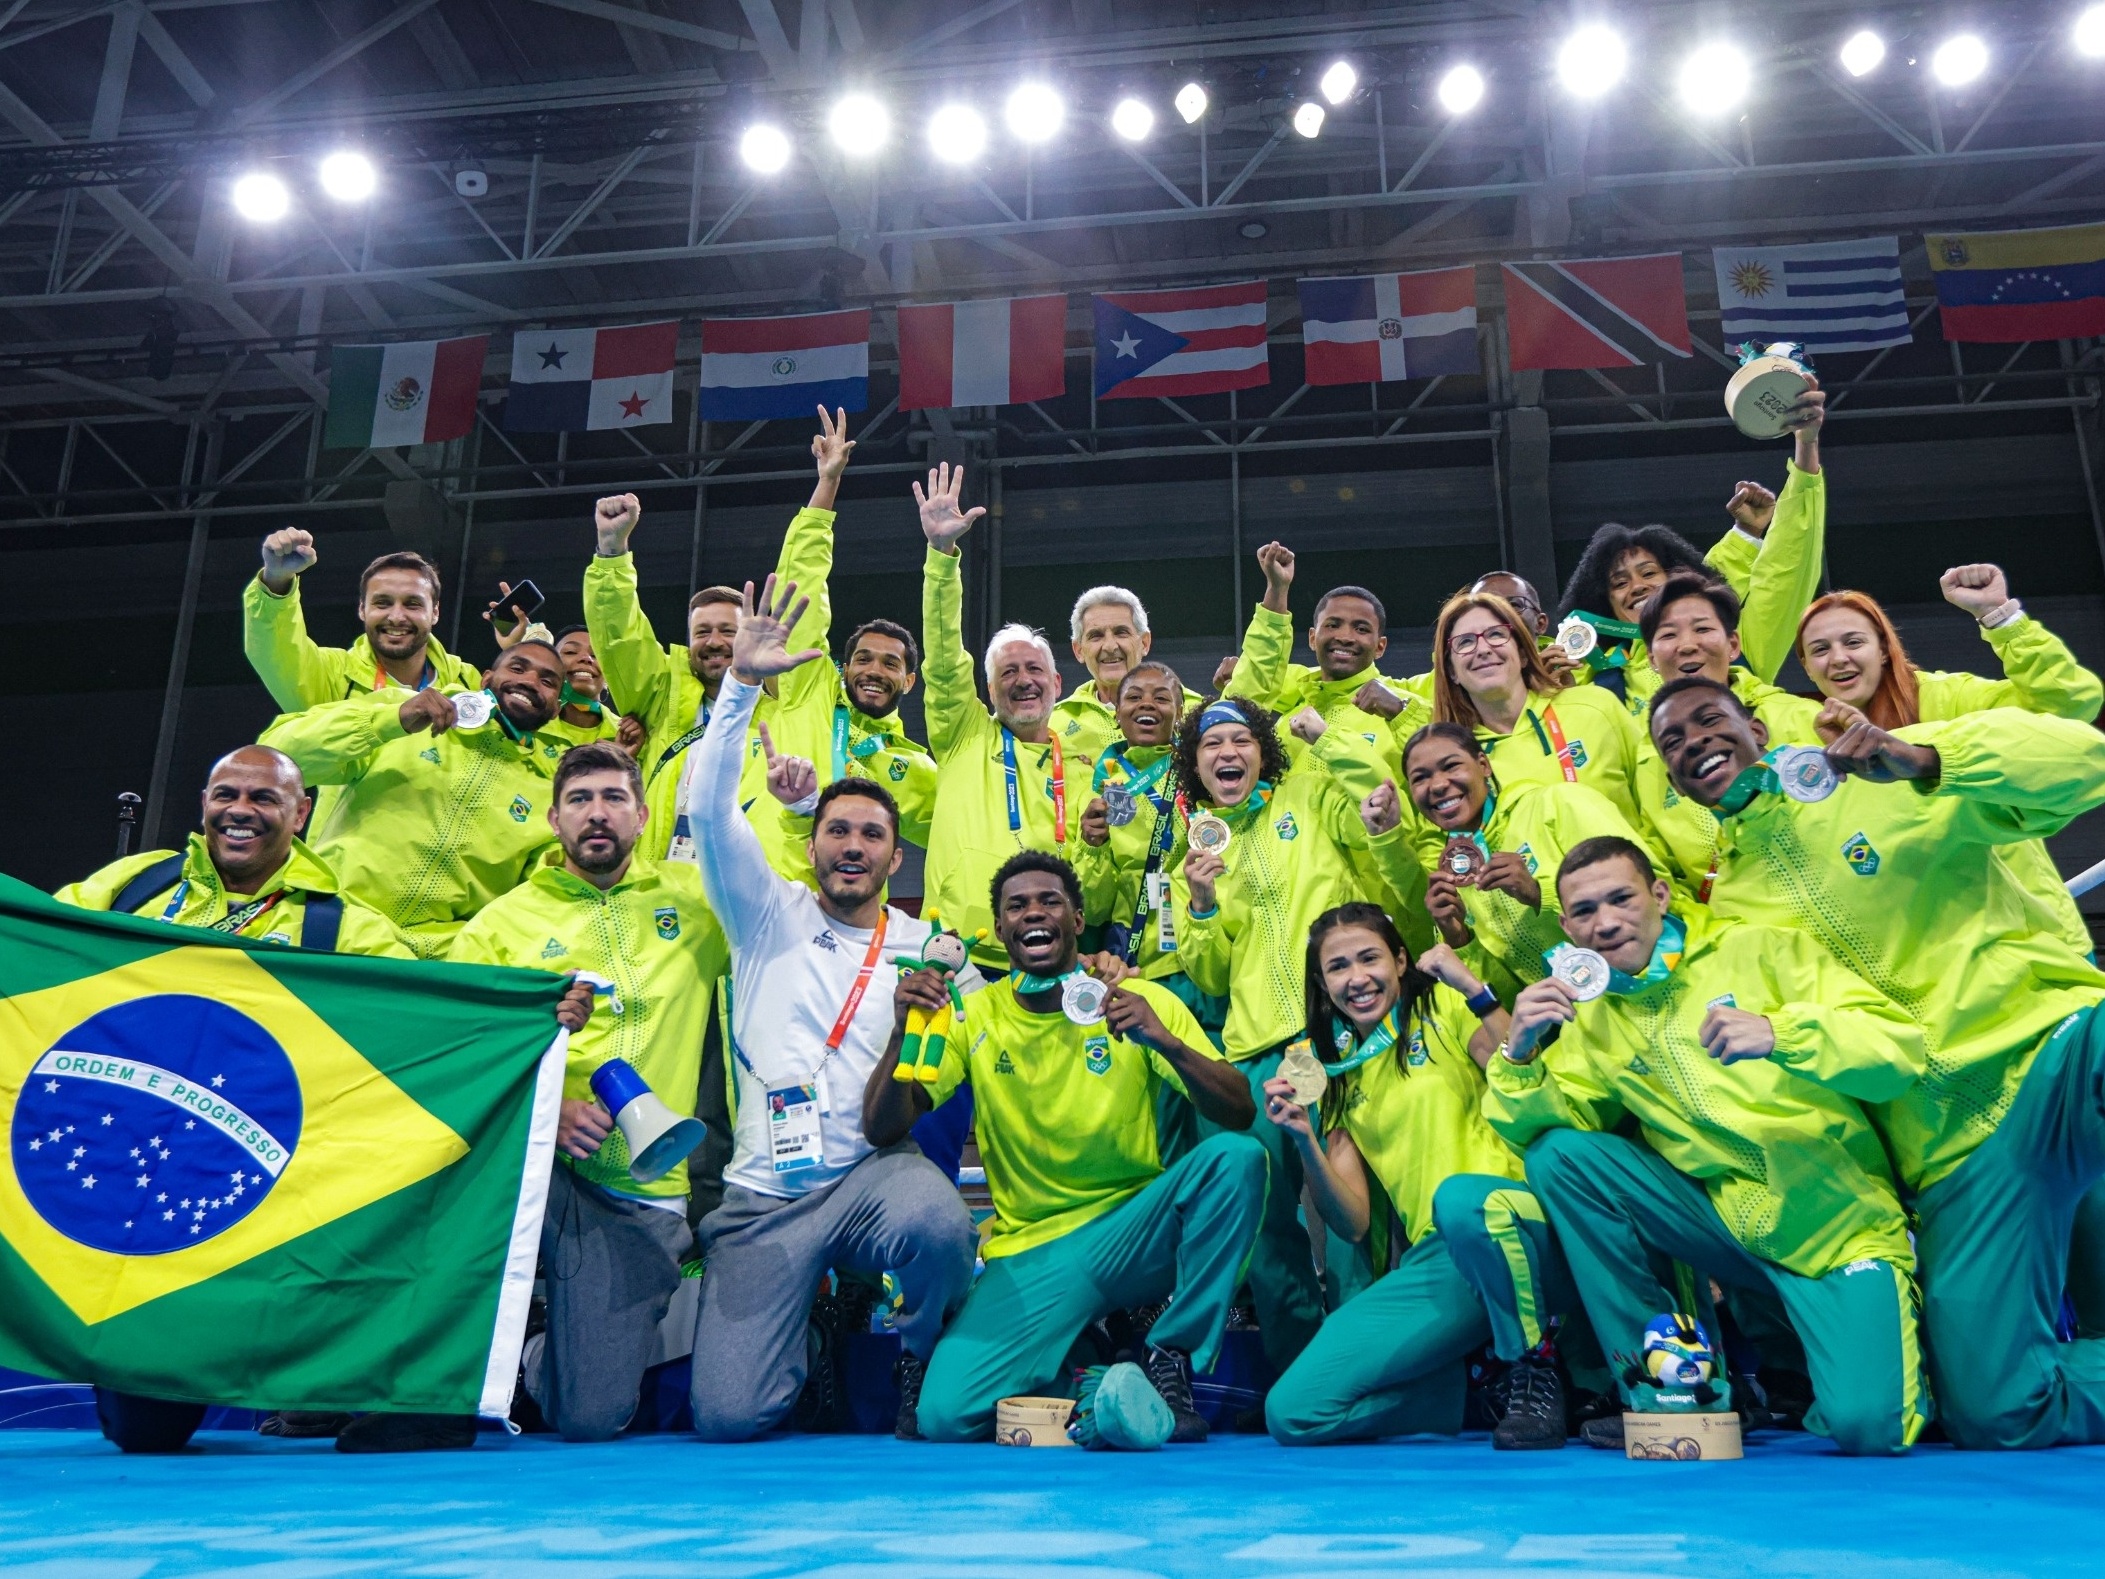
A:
{"x":245,"y":873}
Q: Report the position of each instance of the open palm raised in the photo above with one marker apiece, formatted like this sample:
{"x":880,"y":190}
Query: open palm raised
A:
{"x":942,"y":522}
{"x":760,"y":650}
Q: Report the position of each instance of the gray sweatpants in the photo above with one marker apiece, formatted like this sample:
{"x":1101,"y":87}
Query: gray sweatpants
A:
{"x":891,"y":1212}
{"x":611,"y":1266}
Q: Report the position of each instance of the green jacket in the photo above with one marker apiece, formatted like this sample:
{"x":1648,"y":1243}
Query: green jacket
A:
{"x":1111,"y":872}
{"x":656,"y":684}
{"x":1779,"y":1144}
{"x":1264,"y":674}
{"x":971,"y":834}
{"x":1902,"y":885}
{"x":654,"y":936}
{"x":196,"y":900}
{"x":298,"y":674}
{"x":427,"y":830}
{"x":1087,"y":725}
{"x":1541,"y":823}
{"x":1289,"y":860}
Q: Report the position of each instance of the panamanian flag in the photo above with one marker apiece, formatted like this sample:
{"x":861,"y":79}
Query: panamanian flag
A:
{"x":758,"y":369}
{"x":1375,"y":328}
{"x":578,"y":380}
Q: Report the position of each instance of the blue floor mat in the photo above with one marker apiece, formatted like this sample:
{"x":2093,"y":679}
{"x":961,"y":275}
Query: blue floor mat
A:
{"x":870,"y":1508}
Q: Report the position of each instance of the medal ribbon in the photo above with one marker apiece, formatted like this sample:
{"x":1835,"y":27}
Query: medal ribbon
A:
{"x":1759,"y":779}
{"x":1141,"y":781}
{"x":1551,"y":734}
{"x":1025,"y":982}
{"x":862,"y":985}
{"x":1666,"y":954}
{"x":1354,"y":1054}
{"x":1616,"y":637}
{"x":1059,"y":786}
{"x":380,"y":676}
{"x":843,"y":750}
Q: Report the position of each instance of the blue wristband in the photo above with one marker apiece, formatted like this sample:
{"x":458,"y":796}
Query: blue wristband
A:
{"x":1482,"y":1002}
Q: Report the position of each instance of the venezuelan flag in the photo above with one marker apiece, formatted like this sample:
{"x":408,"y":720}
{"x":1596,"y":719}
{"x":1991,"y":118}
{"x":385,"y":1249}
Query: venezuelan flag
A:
{"x":2013,"y":285}
{"x":249,"y":1175}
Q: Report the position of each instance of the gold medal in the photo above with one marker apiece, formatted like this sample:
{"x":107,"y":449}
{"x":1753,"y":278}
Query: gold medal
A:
{"x":1210,"y":833}
{"x":1305,"y":1073}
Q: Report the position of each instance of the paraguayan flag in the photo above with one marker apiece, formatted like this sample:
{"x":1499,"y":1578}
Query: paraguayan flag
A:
{"x":1830,"y":296}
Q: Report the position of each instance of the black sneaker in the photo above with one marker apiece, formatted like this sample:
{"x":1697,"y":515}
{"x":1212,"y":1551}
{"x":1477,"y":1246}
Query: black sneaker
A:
{"x":303,"y":1423}
{"x":406,"y":1433}
{"x":1170,"y":1371}
{"x":908,"y":1374}
{"x":1534,"y":1417}
{"x":1604,"y":1431}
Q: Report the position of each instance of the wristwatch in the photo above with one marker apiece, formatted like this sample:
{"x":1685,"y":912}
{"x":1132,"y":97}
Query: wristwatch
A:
{"x":1482,"y":1001}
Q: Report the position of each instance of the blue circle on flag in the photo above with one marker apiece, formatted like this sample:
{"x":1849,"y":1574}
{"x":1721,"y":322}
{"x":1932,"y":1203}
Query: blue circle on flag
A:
{"x":155,"y":1125}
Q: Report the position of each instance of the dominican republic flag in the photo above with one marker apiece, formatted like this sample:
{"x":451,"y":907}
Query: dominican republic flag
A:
{"x":1371,"y":328}
{"x":755,"y":369}
{"x":2021,"y":284}
{"x":996,"y":353}
{"x":1596,"y":312}
{"x":1195,"y":342}
{"x":413,"y":392}
{"x":1831,"y":296}
{"x":575,"y":380}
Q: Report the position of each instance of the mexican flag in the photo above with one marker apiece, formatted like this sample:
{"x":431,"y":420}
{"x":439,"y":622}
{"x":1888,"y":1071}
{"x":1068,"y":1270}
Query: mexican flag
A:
{"x":418,"y":392}
{"x":251,"y":1175}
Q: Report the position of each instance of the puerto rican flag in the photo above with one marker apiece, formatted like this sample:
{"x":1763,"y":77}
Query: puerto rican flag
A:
{"x":994,"y":353}
{"x":757,"y":369}
{"x":1193,"y":342}
{"x":578,"y":380}
{"x":1373,"y":328}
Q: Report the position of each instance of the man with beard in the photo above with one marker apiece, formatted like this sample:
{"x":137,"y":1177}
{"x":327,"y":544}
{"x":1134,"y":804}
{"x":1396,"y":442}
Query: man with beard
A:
{"x":1895,"y":872}
{"x":427,"y":832}
{"x":1007,"y":782}
{"x":398,"y":604}
{"x":671,"y":690}
{"x":1109,"y":635}
{"x":814,"y":981}
{"x":612,"y":1245}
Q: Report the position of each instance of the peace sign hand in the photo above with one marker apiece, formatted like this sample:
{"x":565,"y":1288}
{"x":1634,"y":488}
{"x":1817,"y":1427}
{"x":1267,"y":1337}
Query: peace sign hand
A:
{"x":831,"y":446}
{"x":760,"y":650}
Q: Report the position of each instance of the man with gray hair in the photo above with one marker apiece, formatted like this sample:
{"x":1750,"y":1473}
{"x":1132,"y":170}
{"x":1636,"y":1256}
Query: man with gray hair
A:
{"x":1005,"y":780}
{"x":1109,"y":634}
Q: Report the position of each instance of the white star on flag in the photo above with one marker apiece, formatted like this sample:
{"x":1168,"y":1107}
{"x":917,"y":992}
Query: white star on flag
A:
{"x":1127,"y":345}
{"x":88,"y":1183}
{"x":218,"y":1081}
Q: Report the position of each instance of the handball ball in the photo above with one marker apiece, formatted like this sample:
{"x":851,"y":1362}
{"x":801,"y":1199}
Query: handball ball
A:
{"x":1677,"y":1352}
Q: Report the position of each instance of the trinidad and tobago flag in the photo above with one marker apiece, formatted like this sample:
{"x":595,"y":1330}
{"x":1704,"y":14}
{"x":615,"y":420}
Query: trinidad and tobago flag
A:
{"x":1596,"y":312}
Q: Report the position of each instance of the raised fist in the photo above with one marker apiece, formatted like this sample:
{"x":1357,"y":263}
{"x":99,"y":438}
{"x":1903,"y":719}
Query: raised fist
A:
{"x":1978,"y":589}
{"x":613,"y":518}
{"x":287,"y":553}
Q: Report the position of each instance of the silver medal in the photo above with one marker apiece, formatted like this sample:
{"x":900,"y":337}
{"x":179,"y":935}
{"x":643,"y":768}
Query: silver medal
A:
{"x":472,"y":709}
{"x":1805,"y":774}
{"x":1582,"y":970}
{"x":1577,"y":638}
{"x":1082,"y":999}
{"x":1121,"y":805}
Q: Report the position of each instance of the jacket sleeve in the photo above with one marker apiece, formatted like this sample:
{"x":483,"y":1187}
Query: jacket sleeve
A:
{"x":2022,"y":775}
{"x":743,"y":889}
{"x":950,"y":703}
{"x":1836,"y":1029}
{"x":2040,"y":675}
{"x":99,"y":890}
{"x":295,"y":671}
{"x":334,"y":743}
{"x":1731,"y":558}
{"x":1261,"y":667}
{"x":1557,"y":1090}
{"x":622,"y":639}
{"x":916,"y":796}
{"x":1097,"y":868}
{"x":477,"y":944}
{"x":1204,"y":947}
{"x":1355,"y":767}
{"x":1786,"y":575}
{"x":368,"y":933}
{"x":807,"y":559}
{"x":1396,"y":859}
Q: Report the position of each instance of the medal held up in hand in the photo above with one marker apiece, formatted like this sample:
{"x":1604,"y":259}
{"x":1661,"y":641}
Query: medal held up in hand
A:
{"x":1758,"y":399}
{"x":1121,"y":805}
{"x":1210,"y":833}
{"x":1582,"y":970}
{"x":1463,"y":861}
{"x":1304,"y":1071}
{"x":1805,"y":774}
{"x":472,"y":709}
{"x":1577,"y":639}
{"x":1082,"y":999}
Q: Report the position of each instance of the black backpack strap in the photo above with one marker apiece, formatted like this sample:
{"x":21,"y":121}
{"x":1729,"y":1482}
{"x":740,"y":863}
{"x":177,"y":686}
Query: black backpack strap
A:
{"x":325,"y":918}
{"x":164,"y":873}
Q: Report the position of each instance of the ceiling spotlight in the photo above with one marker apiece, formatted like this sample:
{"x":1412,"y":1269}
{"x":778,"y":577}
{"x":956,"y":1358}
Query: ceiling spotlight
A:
{"x":1034,"y":112}
{"x":1959,"y":60}
{"x":859,"y":125}
{"x":1862,"y":51}
{"x":1461,"y":90}
{"x":1714,"y":79}
{"x":1190,"y":102}
{"x":1339,"y":81}
{"x":2089,"y":34}
{"x":1253,"y":230}
{"x":348,"y":176}
{"x":1132,"y":120}
{"x":764,"y":148}
{"x":261,"y":197}
{"x":1308,"y":120}
{"x":1592,"y":61}
{"x":956,"y":134}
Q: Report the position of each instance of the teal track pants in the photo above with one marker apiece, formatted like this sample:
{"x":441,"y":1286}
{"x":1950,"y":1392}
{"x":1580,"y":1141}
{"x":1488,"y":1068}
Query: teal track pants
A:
{"x":1618,"y":1207}
{"x":1185,"y":1238}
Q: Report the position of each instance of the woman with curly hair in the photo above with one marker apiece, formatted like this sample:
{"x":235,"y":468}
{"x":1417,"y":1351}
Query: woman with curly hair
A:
{"x":1404,"y":1041}
{"x":1295,"y":847}
{"x":1771,"y":559}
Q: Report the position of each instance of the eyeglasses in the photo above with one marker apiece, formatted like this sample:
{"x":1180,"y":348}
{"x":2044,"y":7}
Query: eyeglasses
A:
{"x":1462,"y":646}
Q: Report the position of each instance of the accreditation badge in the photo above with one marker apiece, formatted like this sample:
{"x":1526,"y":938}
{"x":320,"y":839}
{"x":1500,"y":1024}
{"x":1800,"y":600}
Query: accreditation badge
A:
{"x":1582,"y":970}
{"x":1805,"y":774}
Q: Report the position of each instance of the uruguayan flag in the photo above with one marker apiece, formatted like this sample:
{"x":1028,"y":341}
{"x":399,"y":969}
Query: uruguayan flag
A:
{"x":1831,"y":296}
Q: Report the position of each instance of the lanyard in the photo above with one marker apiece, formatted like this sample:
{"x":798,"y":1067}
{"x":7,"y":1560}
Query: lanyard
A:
{"x":862,"y":985}
{"x":842,"y":750}
{"x":700,"y":729}
{"x":1158,"y":846}
{"x":1141,"y":781}
{"x":1553,"y":741}
{"x":380,"y":676}
{"x":234,"y":920}
{"x":1059,"y":787}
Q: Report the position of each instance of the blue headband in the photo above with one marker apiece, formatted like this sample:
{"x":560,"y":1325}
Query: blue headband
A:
{"x":1218,"y":713}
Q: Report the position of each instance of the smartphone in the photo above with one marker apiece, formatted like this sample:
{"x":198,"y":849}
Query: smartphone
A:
{"x":525,"y":596}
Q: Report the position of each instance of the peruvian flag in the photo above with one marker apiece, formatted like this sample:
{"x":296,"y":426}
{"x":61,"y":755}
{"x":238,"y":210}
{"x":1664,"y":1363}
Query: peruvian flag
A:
{"x":1596,"y":312}
{"x":986,"y":353}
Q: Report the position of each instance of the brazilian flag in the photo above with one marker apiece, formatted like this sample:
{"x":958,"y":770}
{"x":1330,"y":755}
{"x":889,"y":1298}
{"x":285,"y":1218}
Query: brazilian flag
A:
{"x":252,"y":1175}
